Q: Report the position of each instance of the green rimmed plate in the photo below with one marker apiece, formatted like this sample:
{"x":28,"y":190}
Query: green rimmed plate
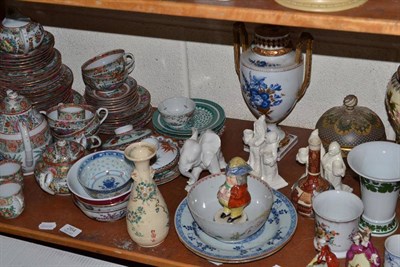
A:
{"x":207,"y":115}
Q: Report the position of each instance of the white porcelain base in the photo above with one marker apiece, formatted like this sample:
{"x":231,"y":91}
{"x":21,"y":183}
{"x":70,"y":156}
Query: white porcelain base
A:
{"x":282,"y":151}
{"x":380,"y":229}
{"x":277,"y":183}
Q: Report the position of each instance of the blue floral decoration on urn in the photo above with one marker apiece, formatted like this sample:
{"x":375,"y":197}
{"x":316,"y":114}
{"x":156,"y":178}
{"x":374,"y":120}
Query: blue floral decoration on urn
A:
{"x":260,"y":95}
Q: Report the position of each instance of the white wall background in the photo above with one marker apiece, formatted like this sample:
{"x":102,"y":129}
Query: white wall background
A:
{"x":206,"y":70}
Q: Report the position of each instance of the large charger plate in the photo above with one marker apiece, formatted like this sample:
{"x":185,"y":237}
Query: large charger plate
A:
{"x":276,"y":232}
{"x":207,"y":115}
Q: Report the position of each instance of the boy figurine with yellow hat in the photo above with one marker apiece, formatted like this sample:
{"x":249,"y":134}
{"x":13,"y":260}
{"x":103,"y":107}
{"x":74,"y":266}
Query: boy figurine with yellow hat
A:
{"x":233,"y":194}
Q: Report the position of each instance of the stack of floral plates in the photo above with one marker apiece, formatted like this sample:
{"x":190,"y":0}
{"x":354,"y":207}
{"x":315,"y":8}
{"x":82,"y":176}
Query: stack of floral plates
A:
{"x":38,"y":75}
{"x":207,"y":115}
{"x":127,"y":104}
{"x":277,"y":231}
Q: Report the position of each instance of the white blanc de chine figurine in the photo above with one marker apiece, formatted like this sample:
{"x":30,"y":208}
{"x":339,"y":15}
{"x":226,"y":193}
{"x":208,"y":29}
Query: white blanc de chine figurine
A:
{"x":334,"y":167}
{"x":200,"y":153}
{"x":263,"y":153}
{"x":233,"y":195}
{"x":254,"y":139}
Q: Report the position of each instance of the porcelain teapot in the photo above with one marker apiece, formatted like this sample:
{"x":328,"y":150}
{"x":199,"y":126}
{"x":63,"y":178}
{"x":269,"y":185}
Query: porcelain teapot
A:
{"x":52,"y":168}
{"x":20,"y":36}
{"x":24,"y":132}
{"x":273,"y":75}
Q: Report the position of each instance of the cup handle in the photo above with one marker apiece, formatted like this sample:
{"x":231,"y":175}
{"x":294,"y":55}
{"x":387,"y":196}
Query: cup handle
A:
{"x":104,"y":117}
{"x":20,"y":202}
{"x":95,"y":141}
{"x":44,"y":180}
{"x":129,"y":61}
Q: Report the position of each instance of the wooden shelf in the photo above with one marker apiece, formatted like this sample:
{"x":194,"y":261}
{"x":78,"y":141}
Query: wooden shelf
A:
{"x":112,"y":239}
{"x":377,"y":17}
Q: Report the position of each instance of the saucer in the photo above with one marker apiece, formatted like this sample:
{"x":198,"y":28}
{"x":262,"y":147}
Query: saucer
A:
{"x":167,"y":155}
{"x":274,"y":235}
{"x":207,"y":115}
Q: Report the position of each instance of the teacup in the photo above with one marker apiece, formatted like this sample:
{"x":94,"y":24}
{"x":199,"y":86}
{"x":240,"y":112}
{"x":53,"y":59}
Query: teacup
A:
{"x":20,"y":36}
{"x":106,"y":83}
{"x":11,"y":200}
{"x":337,"y":214}
{"x":377,"y":164}
{"x":392,"y":251}
{"x":71,"y":112}
{"x":109,"y":64}
{"x":11,"y":171}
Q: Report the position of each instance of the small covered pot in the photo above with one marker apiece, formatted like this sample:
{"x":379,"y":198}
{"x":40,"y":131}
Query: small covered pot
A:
{"x":350,"y":125}
{"x":52,"y":168}
{"x":24,"y":132}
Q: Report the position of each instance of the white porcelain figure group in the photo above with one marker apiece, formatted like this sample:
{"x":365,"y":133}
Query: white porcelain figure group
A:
{"x":333,"y":167}
{"x":263,"y":157}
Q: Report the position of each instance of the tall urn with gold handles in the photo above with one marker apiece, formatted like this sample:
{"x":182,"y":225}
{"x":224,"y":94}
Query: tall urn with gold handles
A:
{"x":273,"y":74}
{"x":392,"y":103}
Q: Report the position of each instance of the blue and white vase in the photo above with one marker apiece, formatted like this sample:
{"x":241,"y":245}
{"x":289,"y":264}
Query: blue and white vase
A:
{"x":273,"y":75}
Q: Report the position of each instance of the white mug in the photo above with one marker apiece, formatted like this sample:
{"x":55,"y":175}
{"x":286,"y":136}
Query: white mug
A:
{"x":11,"y":200}
{"x":392,"y":251}
{"x":337,"y":214}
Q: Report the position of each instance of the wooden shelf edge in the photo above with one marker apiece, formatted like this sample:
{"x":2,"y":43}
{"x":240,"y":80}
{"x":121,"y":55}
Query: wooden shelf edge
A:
{"x":87,"y":246}
{"x":289,"y":17}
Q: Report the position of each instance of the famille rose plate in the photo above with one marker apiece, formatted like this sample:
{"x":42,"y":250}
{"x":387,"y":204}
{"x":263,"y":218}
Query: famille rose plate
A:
{"x":275,"y":234}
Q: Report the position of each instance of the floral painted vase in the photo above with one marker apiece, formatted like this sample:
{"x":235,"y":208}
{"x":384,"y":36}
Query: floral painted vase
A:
{"x":147,"y":215}
{"x":273,"y":76}
{"x":392,"y":103}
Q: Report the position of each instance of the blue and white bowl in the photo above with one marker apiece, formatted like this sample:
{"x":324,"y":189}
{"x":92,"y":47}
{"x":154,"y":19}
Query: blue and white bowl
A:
{"x":105,"y":173}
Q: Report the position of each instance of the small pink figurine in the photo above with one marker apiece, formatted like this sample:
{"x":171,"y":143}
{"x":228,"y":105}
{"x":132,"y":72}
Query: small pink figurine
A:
{"x":362,"y":252}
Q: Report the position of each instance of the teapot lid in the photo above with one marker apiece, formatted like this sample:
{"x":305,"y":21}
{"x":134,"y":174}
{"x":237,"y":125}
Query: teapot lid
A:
{"x":14,"y":103}
{"x":350,"y":125}
{"x":63,"y":151}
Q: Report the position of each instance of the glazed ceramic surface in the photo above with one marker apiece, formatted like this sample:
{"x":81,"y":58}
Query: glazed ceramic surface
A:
{"x":321,"y":5}
{"x":273,"y":75}
{"x":337,"y":214}
{"x":377,"y":164}
{"x":24,"y":133}
{"x":203,"y":205}
{"x":350,"y":125}
{"x":105,"y":173}
{"x":273,"y":235}
{"x":20,"y":36}
{"x":68,"y":127}
{"x":392,"y":103}
{"x":148,"y":216}
{"x":124,"y":136}
{"x":207,"y":115}
{"x":177,"y":111}
{"x":106,"y":213}
{"x":79,"y":192}
{"x":108,"y":64}
{"x":12,"y":202}
{"x":11,"y":171}
{"x":52,"y":168}
{"x":392,"y":251}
